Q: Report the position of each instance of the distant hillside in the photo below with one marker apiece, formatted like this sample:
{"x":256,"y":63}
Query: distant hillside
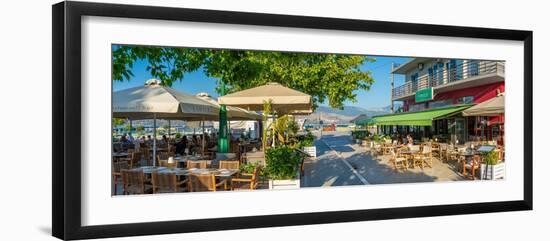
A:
{"x":330,"y":115}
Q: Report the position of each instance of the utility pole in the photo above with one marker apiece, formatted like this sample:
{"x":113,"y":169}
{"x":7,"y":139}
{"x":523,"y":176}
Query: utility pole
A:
{"x":391,"y":88}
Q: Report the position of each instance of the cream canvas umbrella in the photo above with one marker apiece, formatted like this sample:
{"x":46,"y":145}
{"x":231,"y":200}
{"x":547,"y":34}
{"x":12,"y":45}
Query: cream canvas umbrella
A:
{"x":284,"y":100}
{"x":492,"y":107}
{"x":233,"y":112}
{"x":153,"y":101}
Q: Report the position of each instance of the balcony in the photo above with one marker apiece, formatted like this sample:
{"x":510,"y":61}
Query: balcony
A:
{"x":469,"y":74}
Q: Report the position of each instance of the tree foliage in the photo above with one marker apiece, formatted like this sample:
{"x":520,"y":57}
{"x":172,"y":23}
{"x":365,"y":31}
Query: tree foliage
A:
{"x":326,"y":77}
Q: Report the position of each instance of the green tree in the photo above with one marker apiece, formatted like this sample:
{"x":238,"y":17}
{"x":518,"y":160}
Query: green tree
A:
{"x":326,"y":77}
{"x":117,"y":122}
{"x":140,"y":129}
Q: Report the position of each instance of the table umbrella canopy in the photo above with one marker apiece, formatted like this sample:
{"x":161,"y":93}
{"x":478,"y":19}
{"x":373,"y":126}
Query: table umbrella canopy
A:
{"x":153,"y":101}
{"x":492,"y":107}
{"x":284,"y":100}
{"x":166,"y":103}
{"x":233,"y":113}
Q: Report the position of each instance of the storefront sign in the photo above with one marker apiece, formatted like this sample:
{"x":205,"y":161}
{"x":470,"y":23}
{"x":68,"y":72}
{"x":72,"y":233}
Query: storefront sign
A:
{"x":424,"y":95}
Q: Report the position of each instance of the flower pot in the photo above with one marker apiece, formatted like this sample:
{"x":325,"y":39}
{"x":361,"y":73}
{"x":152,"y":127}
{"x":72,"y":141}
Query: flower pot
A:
{"x":493,"y":172}
{"x":284,"y":184}
{"x":310,"y":150}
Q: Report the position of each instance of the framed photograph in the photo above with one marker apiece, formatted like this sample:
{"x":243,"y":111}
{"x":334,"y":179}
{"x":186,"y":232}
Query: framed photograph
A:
{"x":172,"y":120}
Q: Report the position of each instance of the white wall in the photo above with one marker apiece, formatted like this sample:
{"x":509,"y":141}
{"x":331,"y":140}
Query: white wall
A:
{"x":26,"y":58}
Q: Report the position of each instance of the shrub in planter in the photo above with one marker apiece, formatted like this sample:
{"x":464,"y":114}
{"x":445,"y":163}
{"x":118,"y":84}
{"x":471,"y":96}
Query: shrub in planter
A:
{"x":249,"y":168}
{"x":282,"y":163}
{"x":307,"y":144}
{"x":491,"y":168}
{"x":359,"y":134}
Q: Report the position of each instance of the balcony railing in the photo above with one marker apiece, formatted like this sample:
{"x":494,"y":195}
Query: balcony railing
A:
{"x":446,"y":76}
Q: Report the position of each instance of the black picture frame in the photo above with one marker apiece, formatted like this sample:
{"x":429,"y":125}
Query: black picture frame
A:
{"x":66,"y":58}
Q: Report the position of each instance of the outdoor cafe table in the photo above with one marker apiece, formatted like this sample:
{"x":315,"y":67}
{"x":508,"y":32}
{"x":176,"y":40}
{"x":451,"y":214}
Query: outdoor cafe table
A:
{"x":120,"y":154}
{"x":183,"y":159}
{"x":409,"y":156}
{"x":386,"y":148}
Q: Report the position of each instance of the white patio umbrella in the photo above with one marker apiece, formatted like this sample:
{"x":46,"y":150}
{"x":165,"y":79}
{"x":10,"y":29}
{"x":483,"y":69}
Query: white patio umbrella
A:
{"x":491,"y":107}
{"x":153,"y":101}
{"x":284,"y":100}
{"x":233,"y":112}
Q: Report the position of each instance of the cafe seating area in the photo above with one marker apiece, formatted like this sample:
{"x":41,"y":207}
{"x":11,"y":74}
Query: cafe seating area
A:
{"x":465,"y":159}
{"x":133,"y":172}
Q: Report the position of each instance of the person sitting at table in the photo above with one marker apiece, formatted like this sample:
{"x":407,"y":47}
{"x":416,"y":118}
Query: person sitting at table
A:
{"x":123,"y":139}
{"x":181,"y":145}
{"x":410,"y":140}
{"x":130,"y":137}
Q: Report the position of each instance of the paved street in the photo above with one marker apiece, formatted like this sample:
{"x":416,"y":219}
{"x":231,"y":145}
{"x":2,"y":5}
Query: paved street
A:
{"x":336,"y":163}
{"x":328,"y":169}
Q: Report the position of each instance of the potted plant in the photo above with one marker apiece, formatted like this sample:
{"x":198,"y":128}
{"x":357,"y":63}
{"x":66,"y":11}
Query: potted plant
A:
{"x":283,"y":167}
{"x":307,"y":144}
{"x":492,"y":168}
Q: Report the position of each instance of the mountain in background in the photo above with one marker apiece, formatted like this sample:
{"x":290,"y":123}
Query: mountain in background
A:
{"x":331,"y":115}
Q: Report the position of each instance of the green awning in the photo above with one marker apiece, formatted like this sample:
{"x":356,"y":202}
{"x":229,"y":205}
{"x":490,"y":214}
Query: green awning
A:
{"x":418,"y":118}
{"x":364,"y":122}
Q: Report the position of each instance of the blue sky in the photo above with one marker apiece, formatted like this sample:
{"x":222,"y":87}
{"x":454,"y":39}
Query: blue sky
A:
{"x":195,"y":82}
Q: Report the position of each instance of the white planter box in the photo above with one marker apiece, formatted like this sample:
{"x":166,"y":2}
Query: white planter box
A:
{"x":494,"y":172}
{"x":310,"y":150}
{"x":284,"y":184}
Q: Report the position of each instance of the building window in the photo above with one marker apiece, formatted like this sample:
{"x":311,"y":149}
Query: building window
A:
{"x":465,"y":100}
{"x":473,"y":67}
{"x":414,"y":80}
{"x":417,"y":107}
{"x":439,"y":103}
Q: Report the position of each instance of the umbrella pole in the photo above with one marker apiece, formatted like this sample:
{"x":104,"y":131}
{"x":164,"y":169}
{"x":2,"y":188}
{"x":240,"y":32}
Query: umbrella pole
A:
{"x":169,"y":127}
{"x":223,"y":145}
{"x":154,"y":139}
{"x":203,"y":135}
{"x":273,"y":131}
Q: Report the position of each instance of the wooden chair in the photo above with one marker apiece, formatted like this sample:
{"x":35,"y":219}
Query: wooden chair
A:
{"x":376,"y":149}
{"x":442,"y":152}
{"x":246,"y":180}
{"x":133,"y":182}
{"x":162,"y":157}
{"x":398,"y":161}
{"x":424,"y":157}
{"x":146,"y":153}
{"x":200,"y":183}
{"x":452,"y":154}
{"x":230,"y":164}
{"x":165,"y":163}
{"x":117,"y":168}
{"x":196,"y":164}
{"x":472,"y":165}
{"x":167,"y":182}
{"x":136,"y":159}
